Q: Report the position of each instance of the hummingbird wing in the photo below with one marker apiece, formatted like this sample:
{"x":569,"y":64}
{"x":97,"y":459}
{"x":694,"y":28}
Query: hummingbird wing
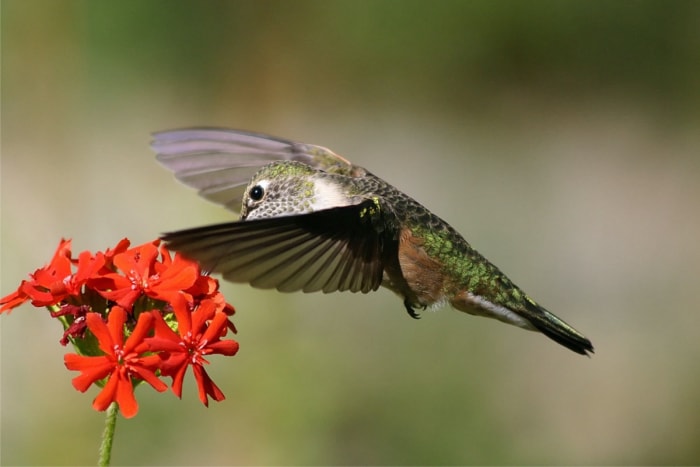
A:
{"x":329,"y":250}
{"x":220,"y":162}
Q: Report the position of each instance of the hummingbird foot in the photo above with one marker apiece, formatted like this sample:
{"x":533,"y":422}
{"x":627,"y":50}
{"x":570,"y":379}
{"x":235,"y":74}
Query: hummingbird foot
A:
{"x":411,"y":312}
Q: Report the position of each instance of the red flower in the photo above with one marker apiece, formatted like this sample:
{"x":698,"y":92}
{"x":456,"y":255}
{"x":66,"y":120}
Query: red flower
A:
{"x":123,"y":362}
{"x":115,"y":349}
{"x":143,"y":275}
{"x":206,"y":287}
{"x":14,"y":299}
{"x":121,"y":247}
{"x":56,"y":282}
{"x":198,"y":334}
{"x":47,"y":285}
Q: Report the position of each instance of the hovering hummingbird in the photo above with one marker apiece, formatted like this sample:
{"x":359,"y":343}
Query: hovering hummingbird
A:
{"x":312,"y":221}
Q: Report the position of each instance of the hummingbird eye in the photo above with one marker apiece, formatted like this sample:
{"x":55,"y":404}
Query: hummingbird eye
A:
{"x":256,"y":193}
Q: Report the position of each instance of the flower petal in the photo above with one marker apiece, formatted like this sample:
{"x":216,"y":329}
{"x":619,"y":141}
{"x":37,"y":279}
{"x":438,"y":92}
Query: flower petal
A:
{"x":216,"y":326}
{"x":99,"y":328}
{"x":206,"y":386}
{"x":201,"y":315}
{"x":226,"y":347}
{"x":181,"y":309}
{"x":178,"y":377}
{"x":150,"y":377}
{"x":92,"y":369}
{"x":14,"y":299}
{"x":106,"y":396}
{"x":115,"y":322}
{"x":125,"y":396}
{"x":143,"y":327}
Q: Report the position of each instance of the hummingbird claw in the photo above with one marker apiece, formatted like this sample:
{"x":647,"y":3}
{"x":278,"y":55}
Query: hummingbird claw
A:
{"x":411,"y":312}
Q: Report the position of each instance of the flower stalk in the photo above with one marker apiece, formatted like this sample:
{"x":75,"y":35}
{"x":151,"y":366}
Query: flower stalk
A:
{"x":108,"y":435}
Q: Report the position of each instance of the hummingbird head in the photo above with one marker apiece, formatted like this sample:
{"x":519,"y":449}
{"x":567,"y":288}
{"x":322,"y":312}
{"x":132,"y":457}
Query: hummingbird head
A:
{"x":287,"y":188}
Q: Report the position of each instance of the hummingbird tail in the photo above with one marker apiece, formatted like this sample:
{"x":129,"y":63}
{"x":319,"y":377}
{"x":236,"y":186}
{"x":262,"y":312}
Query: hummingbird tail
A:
{"x":527,"y":314}
{"x":557,"y":330}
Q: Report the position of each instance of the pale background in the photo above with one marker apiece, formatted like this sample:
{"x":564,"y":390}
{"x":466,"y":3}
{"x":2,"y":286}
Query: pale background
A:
{"x":561,"y":138}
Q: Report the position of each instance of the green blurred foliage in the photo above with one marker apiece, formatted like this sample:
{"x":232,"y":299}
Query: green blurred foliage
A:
{"x":559,"y":136}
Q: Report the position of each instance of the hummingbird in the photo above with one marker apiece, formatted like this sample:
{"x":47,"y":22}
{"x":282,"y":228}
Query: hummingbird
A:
{"x":310,"y":221}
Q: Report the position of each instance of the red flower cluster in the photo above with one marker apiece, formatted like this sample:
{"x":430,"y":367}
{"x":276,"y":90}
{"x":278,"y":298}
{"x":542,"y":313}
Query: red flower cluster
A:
{"x":133,"y":314}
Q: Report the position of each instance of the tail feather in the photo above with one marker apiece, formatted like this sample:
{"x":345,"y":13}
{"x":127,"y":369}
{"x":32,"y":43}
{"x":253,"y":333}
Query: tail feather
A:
{"x":557,"y":330}
{"x":524,"y":312}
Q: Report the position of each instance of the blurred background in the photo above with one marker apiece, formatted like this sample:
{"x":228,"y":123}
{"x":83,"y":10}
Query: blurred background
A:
{"x":561,"y":138}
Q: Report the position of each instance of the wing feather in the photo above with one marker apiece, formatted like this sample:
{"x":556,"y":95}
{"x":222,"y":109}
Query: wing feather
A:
{"x":219,"y":163}
{"x":310,"y":267}
{"x":330,"y":250}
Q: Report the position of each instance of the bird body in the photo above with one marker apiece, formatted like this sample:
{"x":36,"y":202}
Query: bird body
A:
{"x":312,"y":221}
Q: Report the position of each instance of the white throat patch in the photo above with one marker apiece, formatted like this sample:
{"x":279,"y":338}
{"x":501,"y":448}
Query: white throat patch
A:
{"x":328,"y":195}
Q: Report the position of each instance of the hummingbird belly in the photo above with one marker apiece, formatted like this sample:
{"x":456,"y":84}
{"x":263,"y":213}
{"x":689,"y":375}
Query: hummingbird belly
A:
{"x":417,"y":277}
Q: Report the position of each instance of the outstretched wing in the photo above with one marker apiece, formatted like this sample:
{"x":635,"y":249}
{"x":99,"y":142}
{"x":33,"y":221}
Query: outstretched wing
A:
{"x":330,"y":250}
{"x":220,"y":162}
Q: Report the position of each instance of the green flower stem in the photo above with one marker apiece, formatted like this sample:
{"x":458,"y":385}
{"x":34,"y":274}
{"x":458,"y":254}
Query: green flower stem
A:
{"x":108,"y":435}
